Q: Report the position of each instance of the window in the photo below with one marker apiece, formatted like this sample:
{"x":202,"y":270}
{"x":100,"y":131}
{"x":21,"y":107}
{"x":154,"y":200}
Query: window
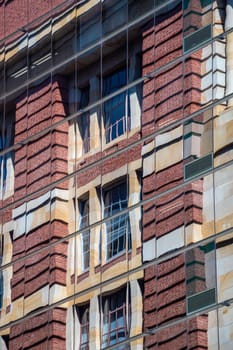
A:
{"x":83,"y":314}
{"x":85,"y":236}
{"x":117,"y":229}
{"x":200,"y":277}
{"x":114,"y":15}
{"x":6,"y":160}
{"x":115,"y":318}
{"x":84,"y":120}
{"x":116,"y":109}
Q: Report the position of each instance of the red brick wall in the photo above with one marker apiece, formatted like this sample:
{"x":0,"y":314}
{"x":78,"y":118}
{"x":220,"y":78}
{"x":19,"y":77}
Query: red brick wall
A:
{"x":164,"y":97}
{"x":44,"y":159}
{"x":37,"y":164}
{"x":15,"y":14}
{"x":45,"y":331}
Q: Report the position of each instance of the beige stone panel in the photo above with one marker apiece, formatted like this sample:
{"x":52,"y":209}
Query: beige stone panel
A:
{"x":135,"y":261}
{"x":167,"y":137}
{"x":207,"y":229}
{"x":225,"y":270}
{"x":72,"y":212}
{"x":226,"y":328}
{"x":7,"y":248}
{"x":193,"y":233}
{"x":224,"y":223}
{"x":136,"y":344}
{"x":135,"y":165}
{"x":70,"y":15}
{"x":72,"y":329}
{"x":89,"y":285}
{"x":12,"y":52}
{"x":85,"y":298}
{"x":4,"y":332}
{"x":148,"y":160}
{"x":9,"y":187}
{"x":13,"y":315}
{"x":59,"y":211}
{"x":136,"y":308}
{"x":94,"y":206}
{"x":206,"y":74}
{"x":223,"y":198}
{"x":135,"y":108}
{"x":169,"y":155}
{"x":206,"y":140}
{"x":95,"y":233}
{"x":86,"y":188}
{"x":225,"y":290}
{"x":229,"y":61}
{"x":212,"y":331}
{"x":57,"y":293}
{"x":134,"y":189}
{"x":136,"y":276}
{"x":148,"y":164}
{"x":71,"y":147}
{"x":38,"y":217}
{"x":108,"y":178}
{"x":78,"y":254}
{"x":39,"y":201}
{"x":103,"y":240}
{"x":17,"y":312}
{"x":223,"y":129}
{"x":171,"y":241}
{"x":7,"y":276}
{"x":149,"y":250}
{"x":225,"y":316}
{"x":95,"y":321}
{"x":135,"y":217}
{"x":224,"y":214}
{"x":114,"y":285}
{"x":208,"y":206}
{"x":219,"y":109}
{"x":223,"y":158}
{"x":115,"y":270}
{"x":71,"y":259}
{"x":218,"y":15}
{"x":207,"y":17}
{"x":94,"y":247}
{"x":40,"y":211}
{"x":94,"y":131}
{"x":38,"y":299}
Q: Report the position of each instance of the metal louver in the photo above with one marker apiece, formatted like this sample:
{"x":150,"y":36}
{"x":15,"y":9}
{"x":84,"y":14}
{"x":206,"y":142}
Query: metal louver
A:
{"x":197,"y":38}
{"x":198,"y":166}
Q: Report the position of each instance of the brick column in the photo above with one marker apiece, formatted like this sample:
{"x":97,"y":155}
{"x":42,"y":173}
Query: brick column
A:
{"x":41,"y":220}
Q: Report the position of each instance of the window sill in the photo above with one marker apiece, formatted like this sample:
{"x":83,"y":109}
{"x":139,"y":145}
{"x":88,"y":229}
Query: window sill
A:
{"x":113,"y":261}
{"x":82,"y":276}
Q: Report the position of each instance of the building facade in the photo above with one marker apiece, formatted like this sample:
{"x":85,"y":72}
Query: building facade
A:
{"x":116,"y":161}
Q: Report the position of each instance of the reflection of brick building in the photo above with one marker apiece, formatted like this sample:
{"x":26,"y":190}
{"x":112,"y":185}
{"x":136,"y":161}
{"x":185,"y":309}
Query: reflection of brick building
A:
{"x":115,"y":155}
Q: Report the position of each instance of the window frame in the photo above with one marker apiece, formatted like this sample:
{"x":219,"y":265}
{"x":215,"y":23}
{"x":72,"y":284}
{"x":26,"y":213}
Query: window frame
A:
{"x":116,"y":308}
{"x":83,"y":205}
{"x":115,"y":126}
{"x":84,"y":119}
{"x":83,"y":312}
{"x":116,"y":243}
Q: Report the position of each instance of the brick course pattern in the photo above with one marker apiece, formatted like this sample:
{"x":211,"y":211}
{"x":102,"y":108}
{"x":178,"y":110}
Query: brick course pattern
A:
{"x":165,"y":286}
